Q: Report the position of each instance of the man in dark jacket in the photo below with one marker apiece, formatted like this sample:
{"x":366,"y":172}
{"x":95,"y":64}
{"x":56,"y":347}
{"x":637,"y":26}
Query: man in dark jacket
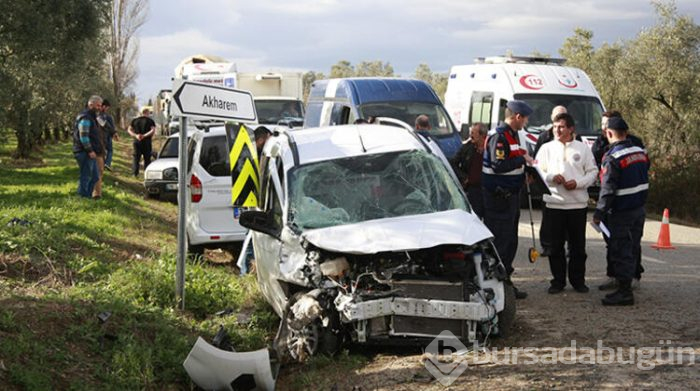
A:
{"x":142,"y":130}
{"x":468,"y":163}
{"x":600,"y":146}
{"x":624,"y":186}
{"x":87,"y":145}
{"x":503,"y":175}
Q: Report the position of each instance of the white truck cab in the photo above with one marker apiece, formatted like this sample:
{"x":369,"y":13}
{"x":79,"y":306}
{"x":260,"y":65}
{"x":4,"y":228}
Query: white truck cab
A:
{"x":478,"y":93}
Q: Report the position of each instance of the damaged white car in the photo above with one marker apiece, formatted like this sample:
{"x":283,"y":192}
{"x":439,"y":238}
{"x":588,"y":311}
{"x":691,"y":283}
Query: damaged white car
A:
{"x":365,"y":236}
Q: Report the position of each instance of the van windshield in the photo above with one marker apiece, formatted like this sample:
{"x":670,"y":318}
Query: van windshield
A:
{"x":369,"y":187}
{"x":586,"y":110}
{"x":271,"y":111}
{"x":408,"y":111}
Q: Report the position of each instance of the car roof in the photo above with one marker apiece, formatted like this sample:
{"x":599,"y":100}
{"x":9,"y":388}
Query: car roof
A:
{"x":334,"y":142}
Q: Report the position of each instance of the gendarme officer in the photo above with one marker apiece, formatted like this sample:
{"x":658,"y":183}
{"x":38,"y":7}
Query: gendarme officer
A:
{"x":624,"y":184}
{"x":503,"y":175}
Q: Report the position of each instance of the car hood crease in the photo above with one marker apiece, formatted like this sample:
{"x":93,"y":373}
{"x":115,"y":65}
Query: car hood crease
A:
{"x":405,"y":233}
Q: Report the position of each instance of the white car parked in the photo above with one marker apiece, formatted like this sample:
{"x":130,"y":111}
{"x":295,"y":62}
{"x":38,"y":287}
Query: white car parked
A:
{"x":211,"y":222}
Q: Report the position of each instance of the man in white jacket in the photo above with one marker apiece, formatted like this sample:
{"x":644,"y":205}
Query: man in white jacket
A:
{"x":569,"y":169}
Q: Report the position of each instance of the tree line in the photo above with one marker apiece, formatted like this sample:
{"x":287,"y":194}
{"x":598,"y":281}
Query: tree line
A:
{"x":654,"y":81}
{"x":54,"y":55}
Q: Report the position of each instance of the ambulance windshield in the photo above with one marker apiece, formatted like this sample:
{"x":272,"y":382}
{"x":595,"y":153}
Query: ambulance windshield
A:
{"x":586,"y":111}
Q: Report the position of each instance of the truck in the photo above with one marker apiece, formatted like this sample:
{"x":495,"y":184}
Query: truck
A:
{"x":478,"y":93}
{"x":277,"y":95}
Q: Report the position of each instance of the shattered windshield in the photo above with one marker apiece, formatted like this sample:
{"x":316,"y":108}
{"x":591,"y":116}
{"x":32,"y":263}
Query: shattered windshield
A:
{"x":586,"y":111}
{"x":368,"y":187}
{"x":408,"y":111}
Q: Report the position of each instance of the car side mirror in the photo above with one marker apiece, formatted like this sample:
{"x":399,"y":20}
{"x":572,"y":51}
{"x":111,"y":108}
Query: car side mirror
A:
{"x":464,"y":132}
{"x":259,"y":221}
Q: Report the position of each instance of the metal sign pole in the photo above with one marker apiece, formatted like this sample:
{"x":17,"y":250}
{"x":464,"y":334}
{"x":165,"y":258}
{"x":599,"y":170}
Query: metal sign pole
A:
{"x":181,"y":216}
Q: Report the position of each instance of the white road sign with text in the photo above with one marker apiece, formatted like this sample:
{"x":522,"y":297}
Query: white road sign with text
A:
{"x":202,"y":100}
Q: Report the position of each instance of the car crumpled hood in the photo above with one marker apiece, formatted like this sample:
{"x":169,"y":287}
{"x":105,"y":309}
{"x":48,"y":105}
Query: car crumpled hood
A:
{"x":403,"y":233}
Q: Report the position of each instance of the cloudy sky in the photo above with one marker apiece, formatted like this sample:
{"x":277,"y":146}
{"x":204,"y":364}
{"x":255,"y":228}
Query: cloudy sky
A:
{"x":262,"y":35}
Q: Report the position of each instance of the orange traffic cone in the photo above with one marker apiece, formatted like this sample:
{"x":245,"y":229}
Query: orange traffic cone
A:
{"x":664,"y":241}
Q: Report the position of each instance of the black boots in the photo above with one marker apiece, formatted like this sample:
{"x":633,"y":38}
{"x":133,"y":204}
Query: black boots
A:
{"x":622,"y":296}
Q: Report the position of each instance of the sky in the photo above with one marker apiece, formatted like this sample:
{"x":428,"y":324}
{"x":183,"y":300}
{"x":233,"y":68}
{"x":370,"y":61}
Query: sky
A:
{"x":303,"y":35}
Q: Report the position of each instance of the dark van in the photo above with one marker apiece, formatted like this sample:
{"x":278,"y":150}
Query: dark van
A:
{"x":342,"y":101}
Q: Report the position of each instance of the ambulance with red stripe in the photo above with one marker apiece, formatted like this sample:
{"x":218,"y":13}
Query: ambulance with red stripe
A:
{"x":478,"y":93}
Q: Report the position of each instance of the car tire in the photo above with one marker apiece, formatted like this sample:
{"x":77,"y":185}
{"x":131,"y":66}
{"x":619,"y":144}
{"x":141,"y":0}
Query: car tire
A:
{"x":506,"y":318}
{"x":315,"y":338}
{"x":195,"y":250}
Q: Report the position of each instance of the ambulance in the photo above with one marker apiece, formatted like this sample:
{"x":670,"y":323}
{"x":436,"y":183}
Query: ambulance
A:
{"x":478,"y":93}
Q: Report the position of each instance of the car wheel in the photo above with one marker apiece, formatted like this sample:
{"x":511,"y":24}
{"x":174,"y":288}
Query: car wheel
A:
{"x":506,"y":318}
{"x":298,"y":344}
{"x":195,"y":250}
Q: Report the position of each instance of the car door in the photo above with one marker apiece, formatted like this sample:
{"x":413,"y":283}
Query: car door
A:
{"x":268,"y":248}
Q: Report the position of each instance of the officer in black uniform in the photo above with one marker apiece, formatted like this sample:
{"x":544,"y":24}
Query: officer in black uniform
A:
{"x":623,"y":191}
{"x":503,"y":175}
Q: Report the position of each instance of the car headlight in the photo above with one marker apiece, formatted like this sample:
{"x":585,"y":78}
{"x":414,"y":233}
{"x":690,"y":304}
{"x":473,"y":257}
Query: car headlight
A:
{"x":170,"y":173}
{"x":154,"y":175}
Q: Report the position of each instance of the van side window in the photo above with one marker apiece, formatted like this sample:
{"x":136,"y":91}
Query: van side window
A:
{"x":501,"y":111}
{"x":481,"y":106}
{"x":341,"y":114}
{"x":191,"y":147}
{"x":214,"y":156}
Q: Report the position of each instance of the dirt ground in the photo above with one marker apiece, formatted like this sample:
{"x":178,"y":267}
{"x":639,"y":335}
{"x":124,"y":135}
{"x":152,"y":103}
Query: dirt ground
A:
{"x":664,"y":319}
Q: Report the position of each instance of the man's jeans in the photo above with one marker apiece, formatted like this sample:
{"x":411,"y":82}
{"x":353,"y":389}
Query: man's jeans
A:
{"x":109,"y":147}
{"x":88,"y":174}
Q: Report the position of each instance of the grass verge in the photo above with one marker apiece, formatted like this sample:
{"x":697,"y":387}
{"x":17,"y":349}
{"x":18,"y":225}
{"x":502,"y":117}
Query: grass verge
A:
{"x":65,"y":260}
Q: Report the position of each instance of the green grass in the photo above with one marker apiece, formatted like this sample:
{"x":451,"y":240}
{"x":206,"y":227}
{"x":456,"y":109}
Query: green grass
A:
{"x":77,"y":258}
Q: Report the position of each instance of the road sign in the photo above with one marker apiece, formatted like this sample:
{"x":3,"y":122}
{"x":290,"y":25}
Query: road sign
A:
{"x":203,"y":100}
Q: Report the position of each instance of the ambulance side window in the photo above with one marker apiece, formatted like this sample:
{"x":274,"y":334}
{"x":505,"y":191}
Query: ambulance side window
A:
{"x":501,"y":111}
{"x":480,"y":109}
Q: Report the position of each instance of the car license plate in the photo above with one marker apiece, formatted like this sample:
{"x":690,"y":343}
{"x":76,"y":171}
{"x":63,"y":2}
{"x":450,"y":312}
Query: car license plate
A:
{"x":171,"y":186}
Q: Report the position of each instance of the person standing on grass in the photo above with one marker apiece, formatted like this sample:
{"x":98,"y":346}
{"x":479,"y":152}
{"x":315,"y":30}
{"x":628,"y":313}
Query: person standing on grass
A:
{"x":87,"y":145}
{"x":110,"y":132}
{"x":142,"y":130}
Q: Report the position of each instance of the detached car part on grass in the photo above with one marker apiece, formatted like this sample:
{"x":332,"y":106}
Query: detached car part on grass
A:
{"x":365,"y":236}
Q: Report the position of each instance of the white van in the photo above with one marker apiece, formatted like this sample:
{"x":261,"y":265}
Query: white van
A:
{"x":479,"y":92}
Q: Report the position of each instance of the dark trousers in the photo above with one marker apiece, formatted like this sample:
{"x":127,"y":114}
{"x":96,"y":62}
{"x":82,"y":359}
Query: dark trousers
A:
{"x":141,"y":148}
{"x":501,"y":216}
{"x":568,"y":225}
{"x":639,"y":269}
{"x":475,"y":195}
{"x":546,"y":229}
{"x":624,"y":245}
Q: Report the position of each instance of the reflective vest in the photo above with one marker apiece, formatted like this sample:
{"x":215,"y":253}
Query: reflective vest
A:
{"x":504,"y":164}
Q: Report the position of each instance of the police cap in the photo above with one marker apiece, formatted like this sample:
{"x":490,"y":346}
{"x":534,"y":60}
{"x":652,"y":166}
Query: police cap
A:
{"x":617,"y":123}
{"x":519,"y":107}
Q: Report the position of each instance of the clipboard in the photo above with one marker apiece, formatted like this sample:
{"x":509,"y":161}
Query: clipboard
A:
{"x":536,"y":172}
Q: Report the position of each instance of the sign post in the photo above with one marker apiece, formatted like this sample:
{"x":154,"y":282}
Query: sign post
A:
{"x":200,"y":101}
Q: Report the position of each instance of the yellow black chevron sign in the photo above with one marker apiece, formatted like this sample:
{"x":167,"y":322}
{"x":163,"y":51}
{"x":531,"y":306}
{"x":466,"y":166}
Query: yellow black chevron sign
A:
{"x":244,"y":167}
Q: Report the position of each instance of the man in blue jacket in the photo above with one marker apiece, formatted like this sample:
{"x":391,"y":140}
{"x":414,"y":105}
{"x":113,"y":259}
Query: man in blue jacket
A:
{"x":624,"y":184}
{"x":87,"y":145}
{"x":502,"y":177}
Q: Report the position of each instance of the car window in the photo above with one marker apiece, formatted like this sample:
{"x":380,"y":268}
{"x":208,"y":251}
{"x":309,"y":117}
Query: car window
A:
{"x":191,"y":147}
{"x":214,"y":156}
{"x":171,"y":148}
